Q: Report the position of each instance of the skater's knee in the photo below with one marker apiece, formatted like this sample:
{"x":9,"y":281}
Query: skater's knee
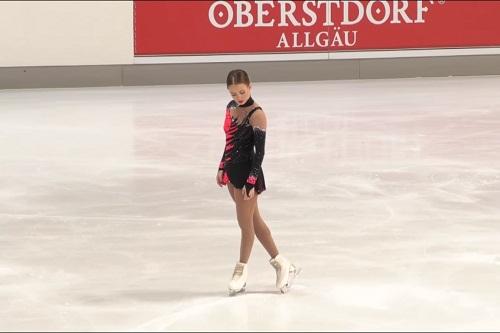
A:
{"x":262,"y":230}
{"x":258,"y":222}
{"x":246,"y":224}
{"x":256,"y":217}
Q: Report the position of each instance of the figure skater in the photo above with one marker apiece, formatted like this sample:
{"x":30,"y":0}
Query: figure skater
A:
{"x":241,"y":170}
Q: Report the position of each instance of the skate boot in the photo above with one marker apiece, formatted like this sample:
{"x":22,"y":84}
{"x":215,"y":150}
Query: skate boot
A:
{"x":285,"y":272}
{"x":239,"y":280}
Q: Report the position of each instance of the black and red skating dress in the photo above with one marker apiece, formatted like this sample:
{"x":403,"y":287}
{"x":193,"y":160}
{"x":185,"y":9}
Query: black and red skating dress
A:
{"x":244,"y":151}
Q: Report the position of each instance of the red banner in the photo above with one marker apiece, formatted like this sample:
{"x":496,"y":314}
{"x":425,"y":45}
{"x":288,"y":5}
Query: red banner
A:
{"x":232,"y":27}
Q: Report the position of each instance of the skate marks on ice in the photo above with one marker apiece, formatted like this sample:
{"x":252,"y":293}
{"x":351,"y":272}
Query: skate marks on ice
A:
{"x":332,"y":304}
{"x":181,"y":312}
{"x":401,"y":194}
{"x":224,"y":312}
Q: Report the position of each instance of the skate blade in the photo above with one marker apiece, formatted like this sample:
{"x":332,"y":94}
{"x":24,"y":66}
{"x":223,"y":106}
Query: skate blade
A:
{"x":236,"y":292}
{"x":233,"y":292}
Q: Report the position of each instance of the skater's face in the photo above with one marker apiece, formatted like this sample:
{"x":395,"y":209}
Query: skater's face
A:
{"x":240,"y":92}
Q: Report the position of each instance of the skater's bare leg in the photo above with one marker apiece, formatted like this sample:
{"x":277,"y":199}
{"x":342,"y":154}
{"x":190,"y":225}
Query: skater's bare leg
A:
{"x":263,"y":233}
{"x":230,"y":188}
{"x":244,"y":213}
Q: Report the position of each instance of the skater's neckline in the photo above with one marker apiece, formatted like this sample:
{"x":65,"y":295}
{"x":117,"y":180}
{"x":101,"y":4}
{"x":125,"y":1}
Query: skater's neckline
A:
{"x":247,"y":103}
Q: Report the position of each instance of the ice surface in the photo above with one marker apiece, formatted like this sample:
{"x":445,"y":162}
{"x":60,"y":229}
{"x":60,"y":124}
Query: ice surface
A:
{"x":385,"y":192}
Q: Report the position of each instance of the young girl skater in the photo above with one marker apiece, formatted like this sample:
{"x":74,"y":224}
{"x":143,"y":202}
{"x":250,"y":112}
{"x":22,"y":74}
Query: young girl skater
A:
{"x":241,"y":170}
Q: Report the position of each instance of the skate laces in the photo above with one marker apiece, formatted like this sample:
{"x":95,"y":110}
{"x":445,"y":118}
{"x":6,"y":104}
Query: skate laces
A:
{"x":275,"y":264}
{"x":238,"y":270}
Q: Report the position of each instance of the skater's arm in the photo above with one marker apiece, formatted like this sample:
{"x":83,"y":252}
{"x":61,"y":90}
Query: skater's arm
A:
{"x":259,"y":123}
{"x":227,"y":123}
{"x":222,"y":161}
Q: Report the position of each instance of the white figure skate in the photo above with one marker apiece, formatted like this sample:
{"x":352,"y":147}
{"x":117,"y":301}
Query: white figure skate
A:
{"x":239,"y":280}
{"x":285,"y":273}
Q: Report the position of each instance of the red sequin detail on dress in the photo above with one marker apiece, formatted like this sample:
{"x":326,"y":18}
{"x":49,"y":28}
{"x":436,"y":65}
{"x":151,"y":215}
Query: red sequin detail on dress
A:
{"x":252,"y":180}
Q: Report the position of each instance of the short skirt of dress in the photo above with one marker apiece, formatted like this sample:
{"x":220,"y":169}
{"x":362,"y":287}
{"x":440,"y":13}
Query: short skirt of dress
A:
{"x":238,"y":175}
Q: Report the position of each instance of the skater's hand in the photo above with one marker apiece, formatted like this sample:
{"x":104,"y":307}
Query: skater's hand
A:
{"x":250,"y":194}
{"x":219,"y":178}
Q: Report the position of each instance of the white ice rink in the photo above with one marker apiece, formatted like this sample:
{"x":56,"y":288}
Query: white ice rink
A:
{"x":385,"y":192}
